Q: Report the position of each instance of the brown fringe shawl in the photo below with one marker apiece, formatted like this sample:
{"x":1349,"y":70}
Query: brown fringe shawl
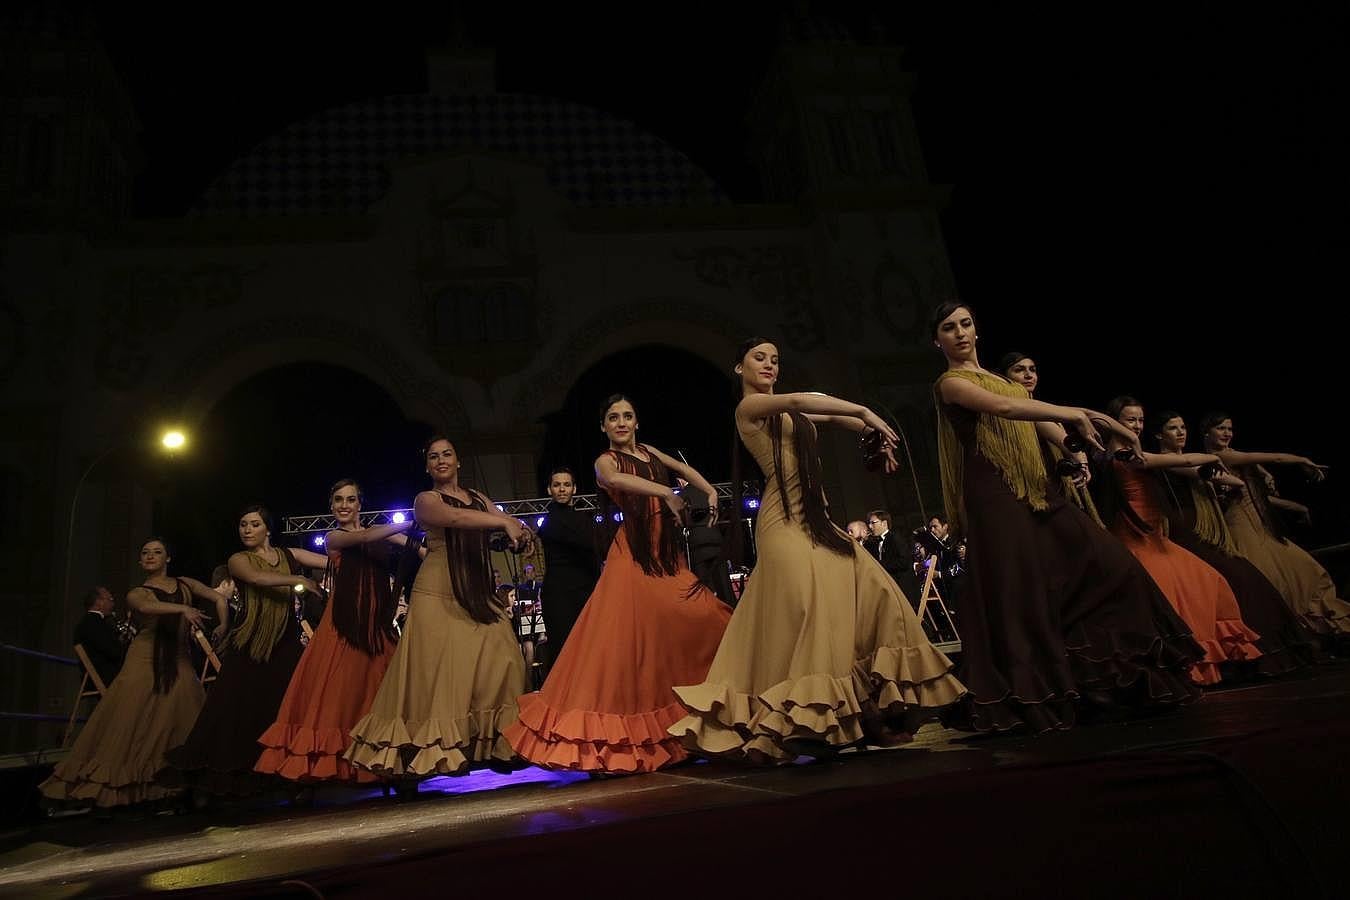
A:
{"x":1012,"y":448}
{"x":267,"y":610}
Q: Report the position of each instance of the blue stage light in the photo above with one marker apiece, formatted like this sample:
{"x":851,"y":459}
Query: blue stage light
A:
{"x":539,"y":522}
{"x":318,"y":540}
{"x":398,"y":518}
{"x":751,"y":503}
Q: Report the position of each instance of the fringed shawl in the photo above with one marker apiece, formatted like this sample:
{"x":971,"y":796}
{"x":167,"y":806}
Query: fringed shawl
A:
{"x":468,"y":557}
{"x":650,"y":526}
{"x":1210,"y":525}
{"x":363,"y":603}
{"x":1078,"y":496}
{"x":267,"y":610}
{"x":1011,"y":447}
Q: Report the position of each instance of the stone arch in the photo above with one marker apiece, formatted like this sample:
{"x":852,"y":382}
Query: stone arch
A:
{"x":203,"y":376}
{"x":694,"y":327}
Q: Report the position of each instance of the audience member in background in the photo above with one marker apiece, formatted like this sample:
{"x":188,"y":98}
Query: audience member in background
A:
{"x":97,"y":632}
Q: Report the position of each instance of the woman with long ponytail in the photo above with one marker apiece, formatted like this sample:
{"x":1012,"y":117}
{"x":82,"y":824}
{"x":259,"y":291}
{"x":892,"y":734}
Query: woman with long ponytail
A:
{"x":823,"y":651}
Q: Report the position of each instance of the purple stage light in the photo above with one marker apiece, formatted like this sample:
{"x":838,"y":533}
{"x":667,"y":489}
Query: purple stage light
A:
{"x":539,"y":522}
{"x":751,"y":503}
{"x":618,"y":517}
{"x":318,"y":540}
{"x":599,"y":519}
{"x":398,"y":518}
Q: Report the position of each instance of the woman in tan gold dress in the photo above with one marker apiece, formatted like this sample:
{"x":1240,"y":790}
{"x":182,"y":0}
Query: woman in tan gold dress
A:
{"x":1299,"y":578}
{"x":452,"y":685}
{"x":823,"y":650}
{"x":151,"y":705}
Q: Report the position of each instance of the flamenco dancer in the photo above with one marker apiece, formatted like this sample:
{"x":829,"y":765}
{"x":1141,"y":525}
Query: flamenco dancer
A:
{"x":1054,"y":609}
{"x":1195,"y":521}
{"x":824,"y":651}
{"x":1259,"y":536}
{"x":649,"y":625}
{"x":153,"y":702}
{"x":1070,"y":467}
{"x":345,"y":662}
{"x":1134,"y":514}
{"x":452,"y":684}
{"x":260,"y":655}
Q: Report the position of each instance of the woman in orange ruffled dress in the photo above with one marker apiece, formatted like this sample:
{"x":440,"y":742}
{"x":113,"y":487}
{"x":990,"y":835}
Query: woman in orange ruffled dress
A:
{"x":340,"y":672}
{"x":1200,"y":595}
{"x":648,"y":625}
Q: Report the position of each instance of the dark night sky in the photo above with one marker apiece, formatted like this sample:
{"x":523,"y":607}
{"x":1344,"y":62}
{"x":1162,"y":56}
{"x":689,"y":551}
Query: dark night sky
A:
{"x":1151,"y":204}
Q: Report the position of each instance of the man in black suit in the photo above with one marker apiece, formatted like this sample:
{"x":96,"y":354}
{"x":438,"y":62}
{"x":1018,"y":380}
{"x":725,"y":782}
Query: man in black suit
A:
{"x":893,"y":552}
{"x":97,"y":633}
{"x":571,"y":559}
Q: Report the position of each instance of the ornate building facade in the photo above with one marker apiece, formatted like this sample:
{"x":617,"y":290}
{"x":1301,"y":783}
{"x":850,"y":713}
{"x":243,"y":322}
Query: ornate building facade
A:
{"x":471,"y":251}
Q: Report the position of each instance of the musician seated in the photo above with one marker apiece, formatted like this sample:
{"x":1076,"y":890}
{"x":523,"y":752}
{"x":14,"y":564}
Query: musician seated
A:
{"x":98,"y":633}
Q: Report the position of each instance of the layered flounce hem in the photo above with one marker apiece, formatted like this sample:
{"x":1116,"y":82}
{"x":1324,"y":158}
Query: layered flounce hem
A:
{"x":1233,"y":643}
{"x":1292,"y":651}
{"x":99,"y":784}
{"x":1326,"y":624}
{"x":1113,"y":676}
{"x":803,"y":716}
{"x":590,"y":741}
{"x":302,"y":753}
{"x":395,"y":748}
{"x":1104,"y":674}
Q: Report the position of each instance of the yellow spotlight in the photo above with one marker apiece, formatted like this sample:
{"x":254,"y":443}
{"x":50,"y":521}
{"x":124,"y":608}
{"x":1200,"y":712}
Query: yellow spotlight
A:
{"x":173,"y":440}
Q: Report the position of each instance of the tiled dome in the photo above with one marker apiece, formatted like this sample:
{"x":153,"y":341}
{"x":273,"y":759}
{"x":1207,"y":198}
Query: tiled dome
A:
{"x":339,"y":160}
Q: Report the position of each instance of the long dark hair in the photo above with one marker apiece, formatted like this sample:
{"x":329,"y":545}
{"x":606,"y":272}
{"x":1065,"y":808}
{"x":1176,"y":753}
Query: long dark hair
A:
{"x":1210,"y":419}
{"x":165,"y":665}
{"x":362,"y":601}
{"x":637,"y":510}
{"x":822,"y":531}
{"x":467,"y":554}
{"x":1113,"y":409}
{"x":945,"y":309}
{"x":1008,"y":360}
{"x":1155,"y":426}
{"x":263,"y":513}
{"x":1251,"y":477}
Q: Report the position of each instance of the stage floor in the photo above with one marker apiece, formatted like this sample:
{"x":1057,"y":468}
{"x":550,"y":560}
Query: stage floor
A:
{"x":264,"y":842}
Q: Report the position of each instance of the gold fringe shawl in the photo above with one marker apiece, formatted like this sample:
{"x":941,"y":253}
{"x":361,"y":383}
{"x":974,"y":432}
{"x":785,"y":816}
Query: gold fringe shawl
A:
{"x":1210,"y":525}
{"x":1012,"y":447}
{"x":1079,"y":497}
{"x":266,"y":611}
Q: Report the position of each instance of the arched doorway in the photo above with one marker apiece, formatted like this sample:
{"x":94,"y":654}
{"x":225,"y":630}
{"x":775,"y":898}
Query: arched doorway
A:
{"x":684,"y":404}
{"x":281,"y":437}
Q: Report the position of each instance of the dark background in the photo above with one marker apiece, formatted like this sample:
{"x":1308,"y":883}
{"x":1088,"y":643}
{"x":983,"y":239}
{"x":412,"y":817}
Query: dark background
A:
{"x":1151,"y":203}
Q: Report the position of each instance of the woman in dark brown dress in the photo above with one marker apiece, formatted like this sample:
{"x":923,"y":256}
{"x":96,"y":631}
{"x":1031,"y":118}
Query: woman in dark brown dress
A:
{"x":1054,"y":610}
{"x":258,"y":658}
